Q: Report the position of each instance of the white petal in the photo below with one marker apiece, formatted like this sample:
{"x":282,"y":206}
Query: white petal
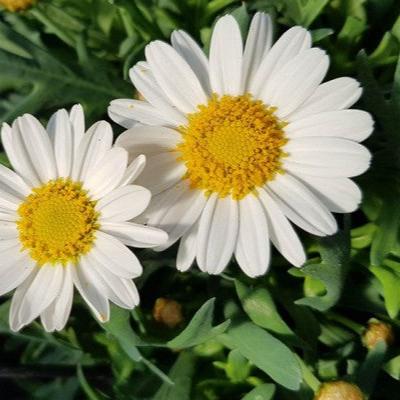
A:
{"x":55,"y":317}
{"x":41,"y":293}
{"x":340,"y":195}
{"x":14,"y":320}
{"x":253,"y":247}
{"x":12,"y":183}
{"x":301,"y":206}
{"x":94,"y":145}
{"x":145,"y":83}
{"x":124,"y":203}
{"x":63,"y":142}
{"x":117,"y":291}
{"x":8,"y":215}
{"x":38,"y":146}
{"x":355,"y":125}
{"x":7,"y":244}
{"x":161,"y":172}
{"x":8,"y":230}
{"x":115,"y":256}
{"x":291,"y":43}
{"x":128,"y":112}
{"x":281,"y":231}
{"x":135,"y":168}
{"x":148,"y":140}
{"x":108,"y":173}
{"x":175,"y":77}
{"x":92,"y":289}
{"x":8,"y":201}
{"x":296,"y":81}
{"x":217,"y":235}
{"x":179,"y":216}
{"x":14,"y":268}
{"x":193,"y":55}
{"x":258,"y":43}
{"x":226,"y":56}
{"x":187,"y":248}
{"x":77,"y":119}
{"x":327,"y":157}
{"x":17,"y":154}
{"x":135,"y":235}
{"x":337,"y":94}
{"x":162,"y":202}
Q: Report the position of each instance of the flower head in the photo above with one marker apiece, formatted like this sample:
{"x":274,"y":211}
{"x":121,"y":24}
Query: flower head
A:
{"x":376,"y":332}
{"x":64,"y":216}
{"x":243,"y":144}
{"x":339,"y":390}
{"x":16,"y":5}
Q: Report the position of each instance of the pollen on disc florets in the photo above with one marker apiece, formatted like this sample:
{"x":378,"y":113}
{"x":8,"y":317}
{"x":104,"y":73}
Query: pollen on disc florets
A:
{"x":232,"y":145}
{"x":57,"y":222}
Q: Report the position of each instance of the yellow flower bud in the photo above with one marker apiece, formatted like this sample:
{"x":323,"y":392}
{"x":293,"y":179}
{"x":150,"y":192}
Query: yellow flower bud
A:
{"x":339,"y":390}
{"x":377,"y":331}
{"x":16,"y":5}
{"x":167,"y":312}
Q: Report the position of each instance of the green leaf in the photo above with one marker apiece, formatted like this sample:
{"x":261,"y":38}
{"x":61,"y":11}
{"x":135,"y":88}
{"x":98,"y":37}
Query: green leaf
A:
{"x":390,"y":281}
{"x":352,"y":31}
{"x":332,"y":271}
{"x":88,"y":390}
{"x":396,"y":85}
{"x":386,"y":235}
{"x":304,"y":12}
{"x":266,"y":353}
{"x":392,"y":367}
{"x":237,"y":367}
{"x":181,"y":374}
{"x":319,"y":34}
{"x":265,"y":391}
{"x":260,"y":307}
{"x":119,"y":326}
{"x":199,"y":329}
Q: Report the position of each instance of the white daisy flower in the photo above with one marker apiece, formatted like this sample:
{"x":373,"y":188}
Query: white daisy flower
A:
{"x":242,"y":142}
{"x":63,"y":219}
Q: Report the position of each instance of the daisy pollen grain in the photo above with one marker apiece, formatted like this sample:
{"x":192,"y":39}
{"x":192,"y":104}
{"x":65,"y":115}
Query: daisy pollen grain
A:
{"x":58,"y":222}
{"x":232,"y":145}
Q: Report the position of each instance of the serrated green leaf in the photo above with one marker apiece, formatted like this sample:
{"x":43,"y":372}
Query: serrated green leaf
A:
{"x":266,"y":353}
{"x":332,"y":271}
{"x":386,"y":235}
{"x":199,"y":329}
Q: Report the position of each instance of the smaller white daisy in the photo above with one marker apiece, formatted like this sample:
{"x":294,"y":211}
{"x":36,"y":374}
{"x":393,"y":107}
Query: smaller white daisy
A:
{"x":244,"y":144}
{"x":63,"y":219}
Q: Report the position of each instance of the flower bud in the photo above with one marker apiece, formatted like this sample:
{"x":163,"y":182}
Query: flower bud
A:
{"x":339,"y":390}
{"x":167,"y":312}
{"x":377,"y":331}
{"x":16,"y":5}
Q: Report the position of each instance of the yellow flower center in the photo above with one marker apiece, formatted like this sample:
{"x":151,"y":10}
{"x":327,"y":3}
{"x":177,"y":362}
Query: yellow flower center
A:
{"x":232,"y":145}
{"x":58,"y":222}
{"x":16,"y":5}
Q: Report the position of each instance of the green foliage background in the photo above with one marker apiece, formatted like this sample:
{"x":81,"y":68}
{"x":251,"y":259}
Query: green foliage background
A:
{"x":276,"y":337}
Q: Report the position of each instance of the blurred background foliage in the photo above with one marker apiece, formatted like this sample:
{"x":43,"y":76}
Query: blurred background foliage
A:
{"x":197,"y":337}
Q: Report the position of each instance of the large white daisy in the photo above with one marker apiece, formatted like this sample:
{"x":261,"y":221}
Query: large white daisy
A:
{"x":242,"y":142}
{"x":63,"y":216}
